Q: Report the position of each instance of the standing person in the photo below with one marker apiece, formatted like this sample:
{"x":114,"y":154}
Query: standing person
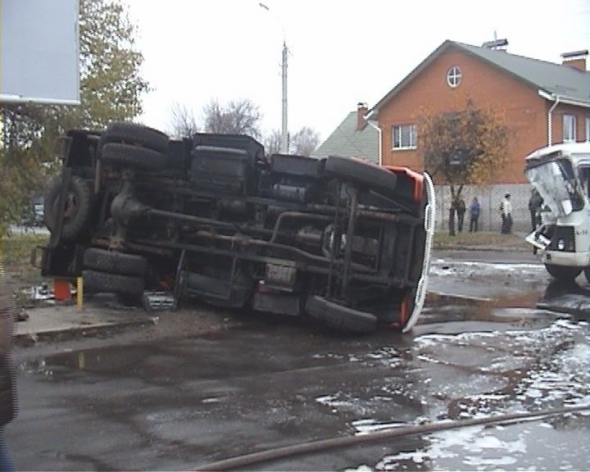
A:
{"x":535,"y":204}
{"x":7,"y":379}
{"x":506,"y":213}
{"x":474,"y":211}
{"x":461,"y":209}
{"x":452,"y":211}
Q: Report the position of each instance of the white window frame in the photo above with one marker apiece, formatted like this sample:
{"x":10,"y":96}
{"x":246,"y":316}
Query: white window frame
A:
{"x":398,"y":130}
{"x":454,"y":76}
{"x":587,"y":129}
{"x":569,"y":128}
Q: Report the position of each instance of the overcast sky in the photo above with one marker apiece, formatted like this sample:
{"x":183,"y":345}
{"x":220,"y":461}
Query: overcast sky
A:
{"x":341,"y":51}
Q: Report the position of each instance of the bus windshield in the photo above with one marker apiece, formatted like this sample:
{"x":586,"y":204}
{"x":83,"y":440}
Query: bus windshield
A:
{"x":558,"y":186}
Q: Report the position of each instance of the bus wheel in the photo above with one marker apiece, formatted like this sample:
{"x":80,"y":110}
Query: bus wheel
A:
{"x":564,"y":273}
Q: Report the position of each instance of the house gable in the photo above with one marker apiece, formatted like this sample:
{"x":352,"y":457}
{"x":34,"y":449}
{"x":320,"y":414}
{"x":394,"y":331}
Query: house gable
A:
{"x":349,"y":139}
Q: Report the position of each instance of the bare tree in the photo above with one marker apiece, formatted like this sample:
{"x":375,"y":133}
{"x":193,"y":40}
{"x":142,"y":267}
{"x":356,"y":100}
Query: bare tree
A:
{"x":272,"y":142}
{"x":466,"y":147}
{"x":305,"y":141}
{"x":183,"y":122}
{"x":237,"y":117}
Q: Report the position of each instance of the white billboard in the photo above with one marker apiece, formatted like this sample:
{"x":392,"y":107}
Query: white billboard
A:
{"x":39,"y":51}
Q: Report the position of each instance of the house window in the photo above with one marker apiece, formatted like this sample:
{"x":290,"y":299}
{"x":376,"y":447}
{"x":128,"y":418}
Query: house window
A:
{"x":454,"y":76}
{"x":404,"y":137}
{"x":569,"y":128}
{"x":588,"y":129}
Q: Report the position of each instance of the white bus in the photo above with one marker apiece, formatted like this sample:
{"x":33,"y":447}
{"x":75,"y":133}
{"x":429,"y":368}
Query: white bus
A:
{"x":561,"y":174}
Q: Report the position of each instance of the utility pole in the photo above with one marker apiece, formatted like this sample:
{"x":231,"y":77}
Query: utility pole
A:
{"x":285,"y":101}
{"x":284,"y":95}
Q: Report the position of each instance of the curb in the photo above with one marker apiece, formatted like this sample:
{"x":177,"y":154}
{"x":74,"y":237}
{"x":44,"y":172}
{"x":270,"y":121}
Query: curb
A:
{"x":27,"y":339}
{"x":480,"y":248}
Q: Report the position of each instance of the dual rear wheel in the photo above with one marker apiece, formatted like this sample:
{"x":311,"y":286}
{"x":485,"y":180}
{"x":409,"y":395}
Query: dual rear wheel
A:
{"x":109,"y":271}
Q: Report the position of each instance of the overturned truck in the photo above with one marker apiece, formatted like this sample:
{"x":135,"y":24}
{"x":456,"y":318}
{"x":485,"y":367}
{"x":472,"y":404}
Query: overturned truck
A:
{"x":211,"y":216}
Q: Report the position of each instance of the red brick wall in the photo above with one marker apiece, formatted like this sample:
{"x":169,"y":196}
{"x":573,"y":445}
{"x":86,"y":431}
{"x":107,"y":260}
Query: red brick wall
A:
{"x":524,"y":111}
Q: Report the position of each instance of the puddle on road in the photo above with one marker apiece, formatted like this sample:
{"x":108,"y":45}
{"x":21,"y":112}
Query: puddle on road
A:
{"x":504,"y":313}
{"x":118,"y":358}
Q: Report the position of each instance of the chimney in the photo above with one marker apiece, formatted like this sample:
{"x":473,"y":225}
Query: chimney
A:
{"x":361,"y":111}
{"x":575,"y":59}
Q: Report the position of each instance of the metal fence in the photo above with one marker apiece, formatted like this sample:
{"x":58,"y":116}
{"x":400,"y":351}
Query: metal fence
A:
{"x":489,"y":198}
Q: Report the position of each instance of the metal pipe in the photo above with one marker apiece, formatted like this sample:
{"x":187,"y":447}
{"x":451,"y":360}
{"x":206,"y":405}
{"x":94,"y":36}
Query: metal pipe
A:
{"x":380,"y":140}
{"x":550,"y":122}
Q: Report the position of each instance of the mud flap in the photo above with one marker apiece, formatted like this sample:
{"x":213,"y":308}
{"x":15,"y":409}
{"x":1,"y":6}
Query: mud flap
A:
{"x":339,"y":316}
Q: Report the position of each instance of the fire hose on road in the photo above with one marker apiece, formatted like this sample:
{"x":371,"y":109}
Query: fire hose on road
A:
{"x":248,"y":460}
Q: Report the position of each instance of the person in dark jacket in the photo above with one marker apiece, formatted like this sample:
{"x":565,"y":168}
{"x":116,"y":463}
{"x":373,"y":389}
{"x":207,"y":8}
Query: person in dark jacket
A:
{"x":7,"y":379}
{"x":461,"y":209}
{"x":474,"y":211}
{"x":535,"y":204}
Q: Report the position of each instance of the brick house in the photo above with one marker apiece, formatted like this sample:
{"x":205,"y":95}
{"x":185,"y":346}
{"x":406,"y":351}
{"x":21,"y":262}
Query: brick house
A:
{"x":542,"y":103}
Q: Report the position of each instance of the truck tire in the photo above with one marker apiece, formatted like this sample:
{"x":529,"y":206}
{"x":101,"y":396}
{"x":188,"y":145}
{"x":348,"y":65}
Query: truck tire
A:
{"x":132,"y":133}
{"x":362,"y":173}
{"x":133,"y":156}
{"x":96,"y":282}
{"x":340,"y":317}
{"x":563,"y":272}
{"x":115,"y":262}
{"x":76,"y":211}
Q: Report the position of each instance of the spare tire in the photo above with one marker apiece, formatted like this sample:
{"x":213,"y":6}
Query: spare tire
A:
{"x":96,"y":282}
{"x":364,"y":174}
{"x":77,"y":208}
{"x":133,"y":156}
{"x":132,"y":133}
{"x":114,"y":262}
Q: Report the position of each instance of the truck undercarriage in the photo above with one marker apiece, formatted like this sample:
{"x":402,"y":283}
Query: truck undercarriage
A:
{"x":210,"y":216}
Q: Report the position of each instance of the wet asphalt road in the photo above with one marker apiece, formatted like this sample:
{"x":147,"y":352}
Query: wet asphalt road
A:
{"x":184,"y":402}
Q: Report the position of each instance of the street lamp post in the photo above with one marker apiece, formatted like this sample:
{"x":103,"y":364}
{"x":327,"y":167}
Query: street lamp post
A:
{"x":284,"y":127}
{"x":284,"y":96}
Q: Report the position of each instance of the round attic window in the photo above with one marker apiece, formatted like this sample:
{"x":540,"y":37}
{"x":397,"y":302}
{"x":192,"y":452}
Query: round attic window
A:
{"x":454,"y":76}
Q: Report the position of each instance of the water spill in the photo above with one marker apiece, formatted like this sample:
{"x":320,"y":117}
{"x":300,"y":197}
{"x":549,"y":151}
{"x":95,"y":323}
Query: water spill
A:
{"x":120,"y":359}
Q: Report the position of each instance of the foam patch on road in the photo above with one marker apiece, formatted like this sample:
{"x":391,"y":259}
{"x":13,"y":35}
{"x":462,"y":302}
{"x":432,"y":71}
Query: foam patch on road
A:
{"x":530,"y":371}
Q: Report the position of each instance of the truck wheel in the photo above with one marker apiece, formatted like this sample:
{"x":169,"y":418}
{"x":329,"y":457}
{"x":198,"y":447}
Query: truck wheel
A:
{"x":95,"y":282}
{"x":76,"y":211}
{"x":133,"y":156}
{"x":563,"y":272}
{"x":114,"y":262}
{"x":132,"y":133}
{"x":587,"y":274}
{"x":340,"y":317}
{"x":362,"y":173}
